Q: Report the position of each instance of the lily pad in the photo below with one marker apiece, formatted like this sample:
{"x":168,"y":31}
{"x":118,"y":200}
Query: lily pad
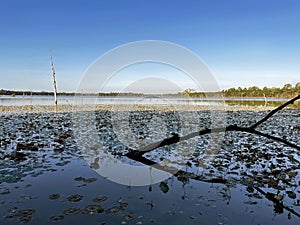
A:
{"x":75,"y":198}
{"x":114,"y":210}
{"x":26,"y":212}
{"x":164,"y":187}
{"x":91,"y":209}
{"x":251,"y":202}
{"x":278,"y":197}
{"x":89,"y":180}
{"x":79,"y":178}
{"x":25,"y":219}
{"x":86,"y":180}
{"x":57,"y":218}
{"x":54,"y":196}
{"x":129,"y":216}
{"x":292,"y":174}
{"x":72,"y":211}
{"x":100,"y":198}
{"x":291,"y":194}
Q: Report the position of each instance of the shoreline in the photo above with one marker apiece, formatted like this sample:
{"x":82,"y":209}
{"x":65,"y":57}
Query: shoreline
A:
{"x":122,"y":107}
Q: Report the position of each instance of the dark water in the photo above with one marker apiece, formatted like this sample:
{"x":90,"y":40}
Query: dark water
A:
{"x":59,"y":166}
{"x":193,"y":203}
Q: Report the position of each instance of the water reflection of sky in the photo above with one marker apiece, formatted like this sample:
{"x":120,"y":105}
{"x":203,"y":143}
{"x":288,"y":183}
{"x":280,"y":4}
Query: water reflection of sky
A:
{"x":176,"y":200}
{"x":193,"y":203}
{"x":69,"y":100}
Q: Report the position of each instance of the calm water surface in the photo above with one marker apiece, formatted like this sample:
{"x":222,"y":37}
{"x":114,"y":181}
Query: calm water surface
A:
{"x":57,"y":166}
{"x":69,"y":100}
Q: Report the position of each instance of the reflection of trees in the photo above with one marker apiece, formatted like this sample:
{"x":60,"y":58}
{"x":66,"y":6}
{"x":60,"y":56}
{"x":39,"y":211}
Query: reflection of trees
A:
{"x":259,"y":103}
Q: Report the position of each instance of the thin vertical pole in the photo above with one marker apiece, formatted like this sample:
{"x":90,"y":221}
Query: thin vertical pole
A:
{"x":53,"y":78}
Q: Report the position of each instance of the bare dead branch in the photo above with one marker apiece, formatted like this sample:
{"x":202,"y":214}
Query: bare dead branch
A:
{"x":175,"y":138}
{"x":137,"y":155}
{"x":278,"y":139}
{"x":53,"y":78}
{"x":275,"y":111}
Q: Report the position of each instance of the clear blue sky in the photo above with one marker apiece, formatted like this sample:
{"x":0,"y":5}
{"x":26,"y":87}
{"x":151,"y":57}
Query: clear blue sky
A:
{"x":243,"y":42}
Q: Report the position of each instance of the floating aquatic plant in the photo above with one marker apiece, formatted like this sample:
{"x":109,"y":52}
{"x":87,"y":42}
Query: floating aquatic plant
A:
{"x":75,"y":198}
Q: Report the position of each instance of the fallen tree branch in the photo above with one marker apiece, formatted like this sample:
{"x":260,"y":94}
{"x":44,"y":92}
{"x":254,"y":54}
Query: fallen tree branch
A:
{"x":270,"y":114}
{"x":137,"y":155}
{"x":175,"y":138}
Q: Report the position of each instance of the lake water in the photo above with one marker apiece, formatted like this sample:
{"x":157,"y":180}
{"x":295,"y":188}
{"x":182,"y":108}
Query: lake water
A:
{"x":51,"y":168}
{"x":70,"y":100}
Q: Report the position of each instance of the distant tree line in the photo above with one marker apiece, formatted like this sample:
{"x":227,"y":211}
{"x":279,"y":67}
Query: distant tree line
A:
{"x":28,"y":93}
{"x":126,"y":94}
{"x":287,"y":91}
